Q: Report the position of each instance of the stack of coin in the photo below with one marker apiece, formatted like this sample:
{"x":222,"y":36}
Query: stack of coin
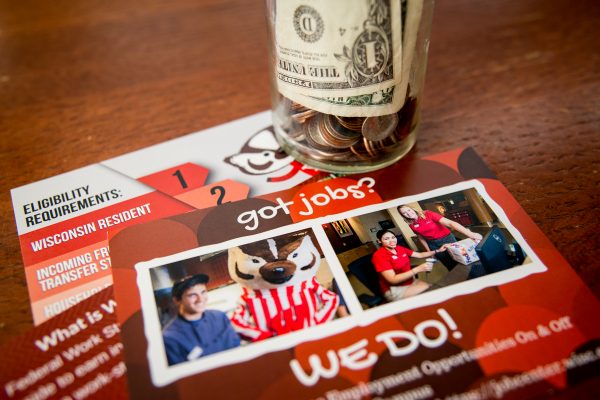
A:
{"x":352,"y":123}
{"x":334,"y":138}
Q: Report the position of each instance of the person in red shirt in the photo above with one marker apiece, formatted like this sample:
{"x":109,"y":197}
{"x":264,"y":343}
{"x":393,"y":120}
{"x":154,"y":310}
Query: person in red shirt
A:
{"x":392,"y":262}
{"x":434,"y":230}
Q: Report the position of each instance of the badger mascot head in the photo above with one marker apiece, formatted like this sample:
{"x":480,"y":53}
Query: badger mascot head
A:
{"x":260,"y":155}
{"x":280,"y":291}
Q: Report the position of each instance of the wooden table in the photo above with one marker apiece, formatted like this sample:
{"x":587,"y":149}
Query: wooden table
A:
{"x":84,"y":81}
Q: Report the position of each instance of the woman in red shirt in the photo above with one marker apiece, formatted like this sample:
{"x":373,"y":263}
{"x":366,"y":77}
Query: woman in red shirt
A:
{"x":434,"y":230}
{"x":392,"y":262}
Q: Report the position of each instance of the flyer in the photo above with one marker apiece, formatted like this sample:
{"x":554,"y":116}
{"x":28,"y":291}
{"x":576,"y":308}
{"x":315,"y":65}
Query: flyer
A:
{"x":293,"y":273}
{"x":76,"y":355}
{"x":63,"y":221}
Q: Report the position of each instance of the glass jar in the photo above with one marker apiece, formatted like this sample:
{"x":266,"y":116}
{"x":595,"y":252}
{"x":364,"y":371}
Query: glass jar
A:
{"x":347,"y":78}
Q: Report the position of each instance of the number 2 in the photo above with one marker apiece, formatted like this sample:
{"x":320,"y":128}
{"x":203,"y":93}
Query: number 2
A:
{"x":221,"y":191}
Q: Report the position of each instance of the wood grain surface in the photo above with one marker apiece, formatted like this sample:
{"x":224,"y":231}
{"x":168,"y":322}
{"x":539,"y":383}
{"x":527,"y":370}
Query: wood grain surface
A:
{"x":84,"y":81}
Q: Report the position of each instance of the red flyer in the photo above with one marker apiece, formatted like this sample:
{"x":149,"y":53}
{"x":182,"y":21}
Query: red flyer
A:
{"x":424,"y":280}
{"x":76,"y":355}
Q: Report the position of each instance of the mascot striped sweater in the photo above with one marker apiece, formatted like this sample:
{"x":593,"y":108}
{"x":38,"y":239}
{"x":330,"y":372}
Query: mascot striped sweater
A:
{"x":269,"y":312}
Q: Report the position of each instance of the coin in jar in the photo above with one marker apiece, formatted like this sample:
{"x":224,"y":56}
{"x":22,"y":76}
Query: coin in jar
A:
{"x":314,"y":133}
{"x":335,"y":135}
{"x":378,"y":128}
{"x":352,"y":123}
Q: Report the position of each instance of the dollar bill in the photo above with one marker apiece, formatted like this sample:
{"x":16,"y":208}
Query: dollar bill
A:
{"x":346,"y":57}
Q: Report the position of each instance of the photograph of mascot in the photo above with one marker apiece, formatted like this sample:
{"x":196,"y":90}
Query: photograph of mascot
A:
{"x":280,"y":292}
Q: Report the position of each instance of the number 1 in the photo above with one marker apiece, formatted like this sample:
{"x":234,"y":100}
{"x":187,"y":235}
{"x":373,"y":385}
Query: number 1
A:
{"x":181,"y":180}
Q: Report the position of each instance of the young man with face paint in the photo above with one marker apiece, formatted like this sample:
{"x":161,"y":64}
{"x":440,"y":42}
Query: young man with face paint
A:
{"x":196,"y":332}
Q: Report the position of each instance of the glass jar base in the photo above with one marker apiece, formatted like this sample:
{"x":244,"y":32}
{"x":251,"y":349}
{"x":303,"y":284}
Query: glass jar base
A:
{"x":345,"y":165}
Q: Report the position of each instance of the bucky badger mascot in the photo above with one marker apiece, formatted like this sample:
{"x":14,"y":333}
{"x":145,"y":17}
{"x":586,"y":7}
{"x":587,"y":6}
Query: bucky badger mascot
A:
{"x":280,"y":292}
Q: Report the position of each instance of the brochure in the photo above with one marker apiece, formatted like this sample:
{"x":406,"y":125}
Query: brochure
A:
{"x":63,"y":221}
{"x":289,"y":294}
{"x":75,"y":355}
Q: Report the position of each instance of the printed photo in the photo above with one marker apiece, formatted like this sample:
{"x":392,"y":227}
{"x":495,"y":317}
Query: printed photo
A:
{"x":245,"y":294}
{"x":420,"y":246}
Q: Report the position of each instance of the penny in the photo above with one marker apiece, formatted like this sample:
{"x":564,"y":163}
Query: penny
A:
{"x":314,"y":134}
{"x":303,"y":116}
{"x":360,"y":151}
{"x":332,"y":123}
{"x":336,"y":135}
{"x":352,"y":123}
{"x":297,"y":106}
{"x":378,"y":128}
{"x":370,"y":146}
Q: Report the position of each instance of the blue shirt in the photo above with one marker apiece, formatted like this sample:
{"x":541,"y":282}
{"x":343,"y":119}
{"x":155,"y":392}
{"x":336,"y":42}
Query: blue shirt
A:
{"x":188,"y":340}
